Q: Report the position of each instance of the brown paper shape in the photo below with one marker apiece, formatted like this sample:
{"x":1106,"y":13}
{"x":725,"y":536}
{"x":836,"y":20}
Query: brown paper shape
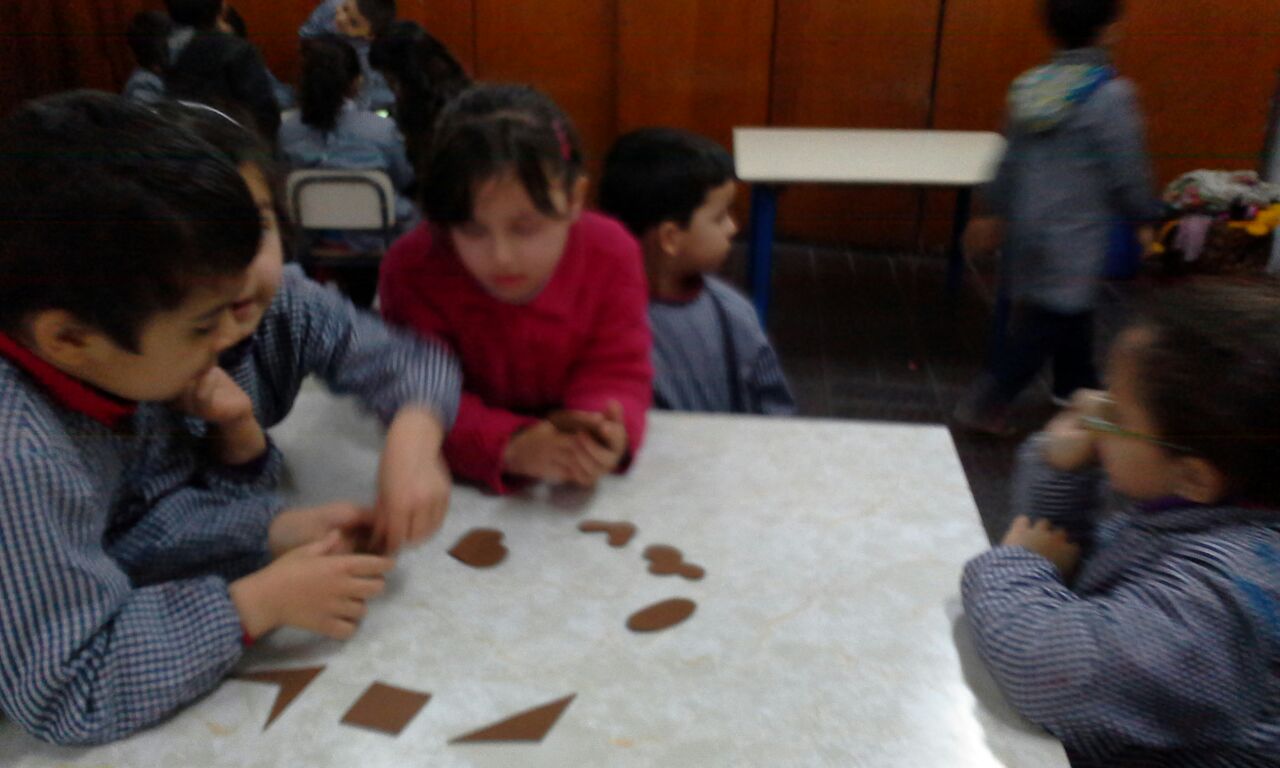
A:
{"x":660,"y":616}
{"x":619,"y":533}
{"x":667,"y":561}
{"x":480,"y":548}
{"x":291,"y":681}
{"x":385,"y":708}
{"x":529,"y":725}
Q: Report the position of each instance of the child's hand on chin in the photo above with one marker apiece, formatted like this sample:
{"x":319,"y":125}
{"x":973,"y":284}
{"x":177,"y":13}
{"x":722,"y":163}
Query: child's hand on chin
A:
{"x":216,"y":398}
{"x":1069,"y":446}
{"x":1045,"y":539}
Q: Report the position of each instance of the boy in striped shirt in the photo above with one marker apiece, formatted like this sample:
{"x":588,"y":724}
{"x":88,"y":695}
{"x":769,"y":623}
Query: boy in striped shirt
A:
{"x":674,"y":190}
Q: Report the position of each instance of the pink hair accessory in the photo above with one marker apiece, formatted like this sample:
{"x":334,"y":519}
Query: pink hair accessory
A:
{"x":566,"y":149}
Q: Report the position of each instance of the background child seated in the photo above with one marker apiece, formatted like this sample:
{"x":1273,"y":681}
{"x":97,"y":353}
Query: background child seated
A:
{"x":136,"y":566}
{"x":148,"y":38}
{"x":424,"y":76}
{"x":543,"y":303}
{"x":214,"y":67}
{"x":360,"y":22}
{"x":1076,"y":164}
{"x":233,"y":23}
{"x":1148,"y":636}
{"x":674,"y":191}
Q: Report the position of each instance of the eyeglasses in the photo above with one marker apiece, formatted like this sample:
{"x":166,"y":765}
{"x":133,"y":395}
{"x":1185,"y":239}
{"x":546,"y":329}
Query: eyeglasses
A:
{"x":1106,"y":425}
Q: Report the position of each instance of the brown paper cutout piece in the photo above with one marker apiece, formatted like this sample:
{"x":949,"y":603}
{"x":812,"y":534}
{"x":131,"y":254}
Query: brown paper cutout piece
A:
{"x":291,"y":681}
{"x":619,"y":533}
{"x":385,"y":708}
{"x":660,"y":616}
{"x":665,"y":561}
{"x":529,"y":725}
{"x":480,"y":548}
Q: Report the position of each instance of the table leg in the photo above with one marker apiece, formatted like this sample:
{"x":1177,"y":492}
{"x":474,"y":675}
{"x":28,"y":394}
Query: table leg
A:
{"x":955,"y":255}
{"x":764,"y":212}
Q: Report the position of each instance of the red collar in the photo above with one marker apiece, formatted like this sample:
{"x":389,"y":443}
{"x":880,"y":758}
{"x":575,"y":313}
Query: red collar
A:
{"x":67,"y":390}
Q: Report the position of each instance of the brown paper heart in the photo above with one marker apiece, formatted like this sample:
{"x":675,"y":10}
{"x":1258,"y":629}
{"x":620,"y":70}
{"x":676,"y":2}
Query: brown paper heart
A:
{"x":660,"y":616}
{"x":619,"y":533}
{"x":480,"y":548}
{"x":667,"y":561}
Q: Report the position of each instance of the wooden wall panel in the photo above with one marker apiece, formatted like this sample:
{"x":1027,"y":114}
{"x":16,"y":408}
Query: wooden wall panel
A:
{"x":701,"y":65}
{"x":866,"y":64}
{"x":563,"y":47}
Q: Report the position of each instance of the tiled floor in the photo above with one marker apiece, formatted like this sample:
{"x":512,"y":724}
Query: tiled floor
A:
{"x":874,"y":336}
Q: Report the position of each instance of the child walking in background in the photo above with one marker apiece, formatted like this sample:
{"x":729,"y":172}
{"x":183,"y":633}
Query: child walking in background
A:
{"x":1150,"y":634}
{"x":674,"y":191}
{"x":1076,"y":164}
{"x":543,"y":303}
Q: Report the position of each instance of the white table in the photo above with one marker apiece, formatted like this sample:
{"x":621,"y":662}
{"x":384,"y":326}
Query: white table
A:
{"x":770,"y":157}
{"x":828,"y":629}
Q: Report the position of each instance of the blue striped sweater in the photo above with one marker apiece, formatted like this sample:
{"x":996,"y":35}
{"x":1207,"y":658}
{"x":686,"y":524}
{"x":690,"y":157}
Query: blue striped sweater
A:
{"x":1164,"y":651}
{"x":116,"y":546}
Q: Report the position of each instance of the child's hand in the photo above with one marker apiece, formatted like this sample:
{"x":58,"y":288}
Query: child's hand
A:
{"x":602,"y":438}
{"x":216,"y":398}
{"x":413,"y":482}
{"x":311,"y":588}
{"x":294,"y":528}
{"x":1070,"y":447}
{"x":545,"y":453}
{"x":983,"y":235}
{"x":1047,"y":540}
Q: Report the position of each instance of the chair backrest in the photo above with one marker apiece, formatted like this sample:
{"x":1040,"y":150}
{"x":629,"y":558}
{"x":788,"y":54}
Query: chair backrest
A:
{"x":347,"y":200}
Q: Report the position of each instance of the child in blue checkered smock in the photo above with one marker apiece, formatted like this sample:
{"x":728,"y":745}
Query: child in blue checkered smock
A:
{"x":1149,"y":635}
{"x":148,"y":334}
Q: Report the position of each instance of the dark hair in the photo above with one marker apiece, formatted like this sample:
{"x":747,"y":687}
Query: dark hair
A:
{"x":108,"y":211}
{"x":201,"y":14}
{"x":654,"y":175}
{"x":148,"y":38}
{"x":491,"y":129}
{"x":330,"y":66}
{"x":379,"y":13}
{"x":229,"y":133}
{"x":235,"y":21}
{"x":1079,"y":23}
{"x":426,"y":76}
{"x":1208,"y":376}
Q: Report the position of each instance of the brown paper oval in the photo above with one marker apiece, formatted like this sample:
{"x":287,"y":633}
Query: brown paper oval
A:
{"x":660,"y":616}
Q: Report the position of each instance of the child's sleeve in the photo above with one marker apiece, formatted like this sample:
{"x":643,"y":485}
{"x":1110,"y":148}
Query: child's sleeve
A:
{"x":616,"y":363}
{"x":355,"y":353}
{"x":321,"y":21}
{"x":1070,"y":500}
{"x":202,"y":521}
{"x":89,"y":658}
{"x":1165,"y":660}
{"x":1120,"y":132}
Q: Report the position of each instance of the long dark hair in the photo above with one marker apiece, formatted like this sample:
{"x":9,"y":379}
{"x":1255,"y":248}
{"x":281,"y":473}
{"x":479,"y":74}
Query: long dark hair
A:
{"x":330,"y":67}
{"x":425,"y":75}
{"x":489,"y":130}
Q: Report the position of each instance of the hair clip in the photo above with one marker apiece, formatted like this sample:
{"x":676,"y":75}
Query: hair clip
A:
{"x":566,"y":149}
{"x":207,"y":108}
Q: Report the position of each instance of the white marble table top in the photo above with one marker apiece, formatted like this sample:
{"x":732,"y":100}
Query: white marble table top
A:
{"x":855,"y":156}
{"x":828,"y":629}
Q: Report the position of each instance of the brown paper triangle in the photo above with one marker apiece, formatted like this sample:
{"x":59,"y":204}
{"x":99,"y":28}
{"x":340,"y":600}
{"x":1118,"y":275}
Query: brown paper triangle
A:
{"x":291,"y":681}
{"x":530,"y":725}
